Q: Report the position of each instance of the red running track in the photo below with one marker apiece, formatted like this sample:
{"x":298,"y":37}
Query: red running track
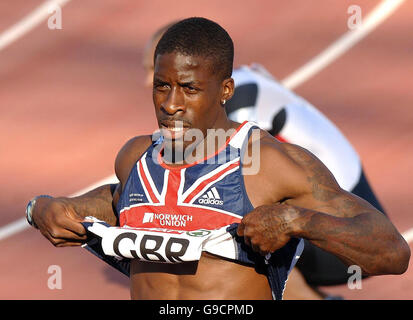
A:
{"x":70,"y":98}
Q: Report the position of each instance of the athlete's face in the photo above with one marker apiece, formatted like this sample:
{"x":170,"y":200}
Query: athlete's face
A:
{"x":187,"y":95}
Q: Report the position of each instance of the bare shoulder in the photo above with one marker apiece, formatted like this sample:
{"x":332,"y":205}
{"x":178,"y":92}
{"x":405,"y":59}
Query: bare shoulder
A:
{"x":314,"y":171}
{"x":129,"y":154}
{"x":286,"y":170}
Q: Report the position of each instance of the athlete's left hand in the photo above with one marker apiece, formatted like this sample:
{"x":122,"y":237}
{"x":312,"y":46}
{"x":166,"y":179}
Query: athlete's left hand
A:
{"x":268,"y":228}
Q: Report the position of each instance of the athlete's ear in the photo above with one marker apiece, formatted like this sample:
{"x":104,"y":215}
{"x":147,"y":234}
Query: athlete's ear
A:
{"x":227,"y":90}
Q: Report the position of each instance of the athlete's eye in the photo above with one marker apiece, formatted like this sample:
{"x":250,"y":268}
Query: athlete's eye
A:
{"x":161,"y":86}
{"x":190,"y":89}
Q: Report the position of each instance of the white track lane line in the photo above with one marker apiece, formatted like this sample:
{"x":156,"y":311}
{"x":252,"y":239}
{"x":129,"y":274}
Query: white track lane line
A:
{"x":380,"y":13}
{"x":29,"y":22}
{"x":339,"y":47}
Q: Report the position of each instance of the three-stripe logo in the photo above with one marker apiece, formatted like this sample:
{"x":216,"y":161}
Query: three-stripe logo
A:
{"x":211,"y":197}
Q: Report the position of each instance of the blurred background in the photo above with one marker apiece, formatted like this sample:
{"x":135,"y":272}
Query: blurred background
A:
{"x":71,"y":97}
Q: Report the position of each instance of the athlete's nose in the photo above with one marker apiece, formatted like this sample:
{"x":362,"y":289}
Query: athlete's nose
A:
{"x":175,"y":101}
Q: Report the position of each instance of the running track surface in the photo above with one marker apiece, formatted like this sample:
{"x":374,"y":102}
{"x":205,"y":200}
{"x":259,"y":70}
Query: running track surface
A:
{"x":70,"y":98}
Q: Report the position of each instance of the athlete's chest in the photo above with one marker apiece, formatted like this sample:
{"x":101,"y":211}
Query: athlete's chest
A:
{"x":205,"y":196}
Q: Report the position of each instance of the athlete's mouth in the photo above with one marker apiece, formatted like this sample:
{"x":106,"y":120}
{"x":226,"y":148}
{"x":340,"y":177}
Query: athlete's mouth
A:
{"x":172,"y":129}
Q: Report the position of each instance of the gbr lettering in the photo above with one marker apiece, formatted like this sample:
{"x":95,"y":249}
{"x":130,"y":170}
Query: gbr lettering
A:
{"x":147,"y":251}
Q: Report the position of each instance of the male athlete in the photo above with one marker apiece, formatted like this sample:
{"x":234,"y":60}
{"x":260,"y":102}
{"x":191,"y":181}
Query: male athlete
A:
{"x":262,"y":217}
{"x":259,"y":97}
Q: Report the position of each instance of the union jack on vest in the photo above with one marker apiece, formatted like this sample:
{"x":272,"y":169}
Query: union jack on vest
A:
{"x":208,"y":195}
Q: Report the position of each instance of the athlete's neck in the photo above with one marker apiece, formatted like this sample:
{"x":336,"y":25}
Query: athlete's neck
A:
{"x":176,"y":153}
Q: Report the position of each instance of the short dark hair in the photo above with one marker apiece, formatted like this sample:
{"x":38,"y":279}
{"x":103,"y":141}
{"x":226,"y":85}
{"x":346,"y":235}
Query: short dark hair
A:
{"x":200,"y":37}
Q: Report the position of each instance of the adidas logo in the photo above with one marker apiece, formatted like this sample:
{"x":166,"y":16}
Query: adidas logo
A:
{"x":211,"y":197}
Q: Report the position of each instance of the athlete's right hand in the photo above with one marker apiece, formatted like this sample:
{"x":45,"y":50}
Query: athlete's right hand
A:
{"x":58,"y":222}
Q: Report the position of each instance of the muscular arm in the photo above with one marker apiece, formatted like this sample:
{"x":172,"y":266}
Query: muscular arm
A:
{"x":310,"y":204}
{"x":344,"y":224}
{"x":98,"y":203}
{"x":59,"y":219}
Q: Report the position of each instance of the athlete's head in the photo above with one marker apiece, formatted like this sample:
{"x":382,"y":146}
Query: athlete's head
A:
{"x":150,"y":46}
{"x":200,"y":37}
{"x":192,"y":76}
